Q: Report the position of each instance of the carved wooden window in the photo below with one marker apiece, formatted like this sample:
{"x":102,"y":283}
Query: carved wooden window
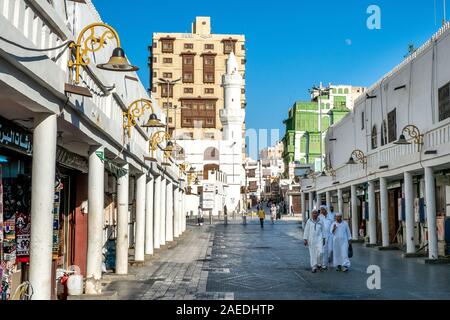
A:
{"x":208,"y":68}
{"x":167,"y":45}
{"x":188,"y":68}
{"x":228,"y":46}
{"x":198,"y":110}
{"x":166,"y":90}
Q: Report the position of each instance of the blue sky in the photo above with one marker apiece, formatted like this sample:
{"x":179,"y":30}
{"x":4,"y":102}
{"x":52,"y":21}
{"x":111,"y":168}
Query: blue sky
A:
{"x":291,"y":45}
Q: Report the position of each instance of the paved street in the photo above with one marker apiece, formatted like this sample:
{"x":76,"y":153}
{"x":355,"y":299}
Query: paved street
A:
{"x":245,"y":262}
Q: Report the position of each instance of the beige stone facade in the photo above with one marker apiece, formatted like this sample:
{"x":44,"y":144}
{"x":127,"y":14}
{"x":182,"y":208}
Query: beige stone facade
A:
{"x":199,"y":60}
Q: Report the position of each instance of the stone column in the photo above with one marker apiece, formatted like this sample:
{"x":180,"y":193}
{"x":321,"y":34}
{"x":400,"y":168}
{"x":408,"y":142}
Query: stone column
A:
{"x":42,"y":199}
{"x":149,"y":216}
{"x":176,"y":216}
{"x":409,"y":213}
{"x":372,"y":214}
{"x":310,"y":204}
{"x":328,"y":199}
{"x":162,"y":204}
{"x":183,"y":212}
{"x":430,"y":198}
{"x":340,"y":202}
{"x":384,"y":212}
{"x":169,"y":211}
{"x":303,"y":204}
{"x":96,"y":204}
{"x":157,"y":214}
{"x":139,"y":248}
{"x":355,"y":226}
{"x":122,"y":223}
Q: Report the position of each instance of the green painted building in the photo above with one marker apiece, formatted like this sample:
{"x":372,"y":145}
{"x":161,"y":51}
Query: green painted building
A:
{"x":302,"y":137}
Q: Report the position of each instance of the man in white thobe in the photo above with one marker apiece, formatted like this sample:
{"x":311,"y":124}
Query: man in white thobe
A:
{"x":314,"y":239}
{"x":328,"y":246}
{"x":331,"y":213}
{"x":341,"y":240}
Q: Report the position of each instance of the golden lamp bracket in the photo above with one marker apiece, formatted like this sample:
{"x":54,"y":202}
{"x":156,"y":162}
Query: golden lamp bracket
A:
{"x":157,"y":138}
{"x":87,"y":42}
{"x":135,"y":111}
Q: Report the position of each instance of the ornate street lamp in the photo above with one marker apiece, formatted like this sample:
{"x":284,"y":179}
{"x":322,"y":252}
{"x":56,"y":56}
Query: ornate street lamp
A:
{"x":329,"y":171}
{"x":413,"y":132}
{"x":359,"y":156}
{"x":182,"y":169}
{"x":136,"y":110}
{"x":157,"y":138}
{"x":117,"y":62}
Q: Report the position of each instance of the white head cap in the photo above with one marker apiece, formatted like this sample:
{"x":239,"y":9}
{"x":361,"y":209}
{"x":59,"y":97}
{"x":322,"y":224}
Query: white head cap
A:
{"x":338,"y":214}
{"x":324,"y":207}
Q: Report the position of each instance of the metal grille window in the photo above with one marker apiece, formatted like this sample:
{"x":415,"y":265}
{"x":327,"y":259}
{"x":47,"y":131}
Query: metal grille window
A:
{"x":374,"y":137}
{"x":383,"y":133}
{"x":444,"y":102}
{"x":392,"y":125}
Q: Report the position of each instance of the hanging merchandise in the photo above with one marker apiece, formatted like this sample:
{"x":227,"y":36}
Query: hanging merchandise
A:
{"x":2,"y":264}
{"x":23,"y":228}
{"x":56,"y":221}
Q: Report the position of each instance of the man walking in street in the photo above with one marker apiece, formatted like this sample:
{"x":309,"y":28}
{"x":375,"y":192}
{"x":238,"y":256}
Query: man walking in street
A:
{"x":331,"y":213}
{"x":273,"y":213}
{"x":341,"y":241}
{"x":200,"y":216}
{"x":328,"y":246}
{"x":314,"y":239}
{"x":262,"y":216}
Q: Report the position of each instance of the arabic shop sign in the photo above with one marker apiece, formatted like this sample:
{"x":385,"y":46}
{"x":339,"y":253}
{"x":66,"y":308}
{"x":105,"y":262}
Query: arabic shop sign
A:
{"x":71,"y":160}
{"x":14,"y":137}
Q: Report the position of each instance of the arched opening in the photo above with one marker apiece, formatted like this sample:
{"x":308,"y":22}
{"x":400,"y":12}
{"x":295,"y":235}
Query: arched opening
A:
{"x":209,"y":167}
{"x":211,"y":154}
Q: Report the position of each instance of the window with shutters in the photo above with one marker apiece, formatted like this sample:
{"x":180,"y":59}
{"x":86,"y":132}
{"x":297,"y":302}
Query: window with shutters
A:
{"x":188,"y":90}
{"x":208,"y":68}
{"x":374,"y":137}
{"x":188,"y":68}
{"x":198,"y":110}
{"x":189,"y":46}
{"x":167,"y":45}
{"x":167,"y":75}
{"x":209,"y":46}
{"x":383,"y":133}
{"x":228,"y":46}
{"x":392,"y":125}
{"x":363,"y":120}
{"x":209,"y":90}
{"x":167,"y":60}
{"x":166,"y":90}
{"x":444,"y":102}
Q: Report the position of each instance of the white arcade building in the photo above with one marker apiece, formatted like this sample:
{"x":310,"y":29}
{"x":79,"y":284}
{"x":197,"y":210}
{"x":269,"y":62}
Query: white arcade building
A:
{"x":221,"y":155}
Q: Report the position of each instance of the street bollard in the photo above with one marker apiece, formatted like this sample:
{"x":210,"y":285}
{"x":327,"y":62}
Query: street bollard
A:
{"x":225,"y":219}
{"x":244,"y":219}
{"x":210,"y":217}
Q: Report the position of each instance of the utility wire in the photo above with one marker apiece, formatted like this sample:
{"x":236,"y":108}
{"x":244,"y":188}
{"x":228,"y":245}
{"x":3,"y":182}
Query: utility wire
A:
{"x":65,"y":44}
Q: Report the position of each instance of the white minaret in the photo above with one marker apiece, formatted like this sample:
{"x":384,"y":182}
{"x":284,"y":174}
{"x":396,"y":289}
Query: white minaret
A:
{"x":232,"y":119}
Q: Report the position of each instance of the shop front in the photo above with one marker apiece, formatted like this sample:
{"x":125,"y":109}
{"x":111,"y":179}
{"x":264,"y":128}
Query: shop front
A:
{"x":15,"y":206}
